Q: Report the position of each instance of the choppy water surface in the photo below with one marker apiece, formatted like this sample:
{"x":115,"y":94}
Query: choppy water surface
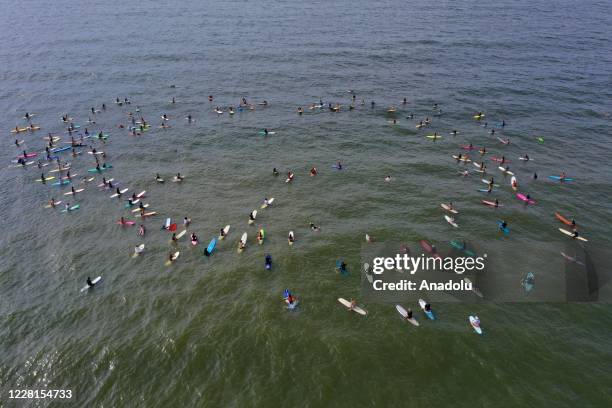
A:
{"x":213,"y":332}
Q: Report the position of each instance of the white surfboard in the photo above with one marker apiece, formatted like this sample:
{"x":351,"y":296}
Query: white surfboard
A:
{"x":225,"y":231}
{"x":243,"y":241}
{"x":121,"y":191}
{"x":474,"y":322}
{"x":174,"y":256}
{"x":356,"y":309}
{"x":270,"y":201}
{"x":404,"y":314}
{"x":141,"y":194}
{"x":254,"y":214}
{"x":571,"y":235}
{"x":291,"y":235}
{"x":75,"y":191}
{"x":138,"y":209}
{"x":181,"y":234}
{"x":451,"y":221}
{"x":96,"y":280}
{"x":367,"y":237}
{"x":506,"y":171}
{"x":448,"y":208}
{"x":138,"y":250}
{"x":167,"y":224}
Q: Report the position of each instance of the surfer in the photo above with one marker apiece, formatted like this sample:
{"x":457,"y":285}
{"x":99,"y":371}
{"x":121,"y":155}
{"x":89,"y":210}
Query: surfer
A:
{"x":313,"y":171}
{"x":122,"y":221}
{"x":52,"y":202}
{"x":158,"y":178}
{"x":179,"y":177}
{"x":291,"y":238}
{"x":268,"y":261}
{"x":222,"y":233}
{"x":194,"y":238}
{"x":503,"y":225}
{"x":483,"y":151}
{"x":300,"y":110}
{"x":314,"y":227}
{"x":141,"y":230}
{"x":174,"y":239}
{"x":339,"y":166}
{"x":89,"y":282}
{"x":408,"y":314}
{"x":186,"y":222}
{"x":526,"y":157}
{"x":353,"y":304}
{"x":118,"y":192}
{"x":535,"y":176}
{"x":251,"y":217}
{"x":275,"y":172}
{"x":42,"y":178}
{"x":388,"y":179}
{"x":496,"y":203}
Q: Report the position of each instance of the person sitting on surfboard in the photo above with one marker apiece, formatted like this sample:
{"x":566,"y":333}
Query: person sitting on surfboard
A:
{"x":291,"y":238}
{"x":122,"y":221}
{"x":194,"y":238}
{"x":496,"y":203}
{"x":313,"y":171}
{"x":251,"y":217}
{"x":388,"y":179}
{"x":158,"y":178}
{"x":353,"y":304}
{"x":427,"y":305}
{"x":408,"y":314}
{"x":314,"y":227}
{"x":503,"y":225}
{"x":562,"y":176}
{"x":290,"y":176}
{"x":489,"y":188}
{"x":179,"y":177}
{"x":174,"y":237}
{"x":535,"y":176}
{"x":67,"y":206}
{"x":339,"y":166}
{"x":89,"y":282}
{"x":275,"y":172}
{"x":141,"y":230}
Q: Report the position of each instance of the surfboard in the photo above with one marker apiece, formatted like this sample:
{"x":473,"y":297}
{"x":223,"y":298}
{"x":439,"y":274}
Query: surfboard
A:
{"x":254,"y":214}
{"x":448,"y":208}
{"x":167,"y":224}
{"x":94,"y":282}
{"x":141,"y":194}
{"x":261,"y":234}
{"x":211,"y":246}
{"x":428,"y":313}
{"x":571,"y":235}
{"x":288,"y":240}
{"x":174,"y":256}
{"x":504,"y":141}
{"x":74,"y":207}
{"x":490,"y":203}
{"x":487,"y":182}
{"x":433,"y":137}
{"x":148,"y":214}
{"x":104,"y":185}
{"x":270,"y":201}
{"x":505,"y":230}
{"x":356,"y":309}
{"x":121,"y":191}
{"x":56,"y":204}
{"x":225,"y":231}
{"x":404,"y":314}
{"x":75,"y":191}
{"x":562,"y":180}
{"x":138,"y":209}
{"x":46,"y":179}
{"x":563,"y":219}
{"x":243,"y":241}
{"x":138,"y":250}
{"x":451,"y":221}
{"x":181,"y":234}
{"x":525,"y":159}
{"x":459,"y":245}
{"x":524,"y":198}
{"x":513,"y":183}
{"x":475,"y":323}
{"x":503,"y":169}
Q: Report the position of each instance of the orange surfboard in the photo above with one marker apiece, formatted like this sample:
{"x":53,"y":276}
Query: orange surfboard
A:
{"x":563,"y":219}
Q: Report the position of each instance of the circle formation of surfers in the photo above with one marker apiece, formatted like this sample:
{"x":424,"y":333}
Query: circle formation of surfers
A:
{"x":57,"y":172}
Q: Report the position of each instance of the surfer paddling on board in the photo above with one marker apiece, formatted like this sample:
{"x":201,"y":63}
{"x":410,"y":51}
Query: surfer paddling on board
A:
{"x":89,"y":282}
{"x":408,"y":314}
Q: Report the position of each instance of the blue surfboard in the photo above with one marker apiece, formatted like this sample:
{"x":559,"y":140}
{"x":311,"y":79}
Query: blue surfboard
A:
{"x":211,"y":246}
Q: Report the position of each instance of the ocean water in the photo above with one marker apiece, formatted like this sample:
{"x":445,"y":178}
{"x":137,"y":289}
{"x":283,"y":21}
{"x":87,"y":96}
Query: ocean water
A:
{"x":214,"y":332}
